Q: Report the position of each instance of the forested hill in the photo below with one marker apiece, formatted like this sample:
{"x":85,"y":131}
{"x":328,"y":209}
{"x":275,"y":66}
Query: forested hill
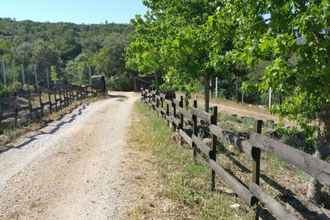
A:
{"x":68,"y":51}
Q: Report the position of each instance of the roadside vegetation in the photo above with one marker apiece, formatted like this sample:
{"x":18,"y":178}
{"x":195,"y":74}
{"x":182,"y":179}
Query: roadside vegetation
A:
{"x":256,"y":49}
{"x":183,"y":182}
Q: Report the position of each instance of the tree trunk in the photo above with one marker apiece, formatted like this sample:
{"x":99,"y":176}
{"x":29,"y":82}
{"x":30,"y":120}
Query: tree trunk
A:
{"x":207,"y":93}
{"x":316,"y":191}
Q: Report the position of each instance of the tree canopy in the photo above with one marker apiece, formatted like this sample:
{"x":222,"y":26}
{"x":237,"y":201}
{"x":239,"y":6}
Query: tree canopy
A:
{"x":262,"y":45}
{"x":68,"y":49}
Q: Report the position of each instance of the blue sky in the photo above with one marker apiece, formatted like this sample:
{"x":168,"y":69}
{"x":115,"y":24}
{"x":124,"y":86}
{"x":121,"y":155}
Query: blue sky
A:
{"x":77,"y":11}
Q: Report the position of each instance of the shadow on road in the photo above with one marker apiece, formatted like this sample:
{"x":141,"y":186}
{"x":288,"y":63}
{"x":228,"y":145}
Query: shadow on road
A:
{"x":56,"y":127}
{"x":118,"y":96}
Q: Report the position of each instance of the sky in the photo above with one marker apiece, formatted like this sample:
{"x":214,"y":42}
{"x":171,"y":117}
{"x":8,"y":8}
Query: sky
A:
{"x":76,"y":11}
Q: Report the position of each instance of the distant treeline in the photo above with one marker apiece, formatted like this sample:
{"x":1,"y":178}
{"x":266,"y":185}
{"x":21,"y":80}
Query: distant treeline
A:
{"x":60,"y":51}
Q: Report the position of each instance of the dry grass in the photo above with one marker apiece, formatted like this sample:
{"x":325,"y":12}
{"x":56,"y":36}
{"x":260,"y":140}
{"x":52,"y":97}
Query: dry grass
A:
{"x":182,"y":186}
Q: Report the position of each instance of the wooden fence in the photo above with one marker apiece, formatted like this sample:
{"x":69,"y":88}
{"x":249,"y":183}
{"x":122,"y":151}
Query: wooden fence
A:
{"x":187,"y":120}
{"x":20,"y":108}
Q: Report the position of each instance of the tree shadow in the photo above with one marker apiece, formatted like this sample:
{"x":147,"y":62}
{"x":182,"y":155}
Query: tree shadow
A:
{"x":33,"y":138}
{"x":286,"y":196}
{"x":118,"y":96}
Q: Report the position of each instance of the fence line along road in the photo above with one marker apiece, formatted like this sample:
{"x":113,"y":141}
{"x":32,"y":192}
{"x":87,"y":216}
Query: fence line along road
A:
{"x":188,"y":121}
{"x":23,"y":107}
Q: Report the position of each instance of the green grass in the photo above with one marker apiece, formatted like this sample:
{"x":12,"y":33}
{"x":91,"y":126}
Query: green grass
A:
{"x":186,"y":183}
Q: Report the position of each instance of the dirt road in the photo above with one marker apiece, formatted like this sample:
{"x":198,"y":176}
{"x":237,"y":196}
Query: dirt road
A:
{"x":72,"y":168}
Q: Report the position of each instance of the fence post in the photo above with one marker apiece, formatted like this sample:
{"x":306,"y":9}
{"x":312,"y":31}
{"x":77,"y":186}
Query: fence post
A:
{"x":79,"y":91}
{"x":181,"y":126}
{"x":1,"y":129}
{"x":186,"y":102}
{"x":50,"y":102}
{"x":153,"y":100}
{"x":162,"y":105}
{"x":174,"y":115}
{"x":16,"y":109}
{"x":167,"y":113}
{"x":61,"y":98}
{"x":41,"y":105}
{"x":71,"y":95}
{"x":157,"y":101}
{"x":157,"y":105}
{"x":65,"y":97}
{"x":143,"y":92}
{"x":213,"y":154}
{"x":30,"y":105}
{"x":195,"y":131}
{"x":67,"y":92}
{"x":55,"y":98}
{"x":256,"y":156}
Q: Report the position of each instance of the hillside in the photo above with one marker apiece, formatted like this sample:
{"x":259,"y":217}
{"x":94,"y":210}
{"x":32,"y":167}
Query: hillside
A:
{"x":68,"y":51}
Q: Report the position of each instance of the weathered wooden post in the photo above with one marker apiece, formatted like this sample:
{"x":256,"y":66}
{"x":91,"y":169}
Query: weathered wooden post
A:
{"x":41,"y":104}
{"x":55,"y":99}
{"x":157,"y":105}
{"x":186,"y":102}
{"x":16,"y":109}
{"x":162,"y":105}
{"x":30,"y":105}
{"x":256,"y":156}
{"x":153,"y":100}
{"x":174,"y":116}
{"x":50,"y":102}
{"x":71,"y":95}
{"x":78,"y":93}
{"x":195,"y":131}
{"x":144,"y":95}
{"x":67,"y":93}
{"x":181,"y":125}
{"x":61,"y":99}
{"x":1,"y":128}
{"x":213,"y":153}
{"x":66,"y":98}
{"x":167,"y":113}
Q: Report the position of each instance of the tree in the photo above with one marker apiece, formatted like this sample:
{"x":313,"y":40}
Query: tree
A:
{"x":59,"y":44}
{"x":110,"y":60}
{"x":294,"y":37}
{"x":171,"y":40}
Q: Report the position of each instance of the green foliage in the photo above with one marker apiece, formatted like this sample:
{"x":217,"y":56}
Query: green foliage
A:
{"x":172,"y":40}
{"x":186,"y":41}
{"x":303,"y":139}
{"x":121,"y":82}
{"x":68,"y":49}
{"x":53,"y":74}
{"x":3,"y":91}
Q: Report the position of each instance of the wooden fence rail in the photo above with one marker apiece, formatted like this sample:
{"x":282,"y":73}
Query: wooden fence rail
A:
{"x":187,"y":121}
{"x":22,"y":107}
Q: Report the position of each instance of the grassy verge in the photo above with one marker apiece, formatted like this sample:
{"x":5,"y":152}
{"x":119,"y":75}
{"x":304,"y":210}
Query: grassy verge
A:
{"x":185,"y":183}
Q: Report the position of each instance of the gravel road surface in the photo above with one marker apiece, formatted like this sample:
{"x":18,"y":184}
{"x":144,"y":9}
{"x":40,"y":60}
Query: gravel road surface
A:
{"x":71,"y":168}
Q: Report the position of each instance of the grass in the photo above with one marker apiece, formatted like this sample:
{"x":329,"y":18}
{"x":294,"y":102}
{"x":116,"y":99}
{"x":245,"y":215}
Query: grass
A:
{"x":185,"y":183}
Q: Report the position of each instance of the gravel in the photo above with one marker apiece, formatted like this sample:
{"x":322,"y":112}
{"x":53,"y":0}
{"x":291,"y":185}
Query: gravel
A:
{"x":70,"y":169}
